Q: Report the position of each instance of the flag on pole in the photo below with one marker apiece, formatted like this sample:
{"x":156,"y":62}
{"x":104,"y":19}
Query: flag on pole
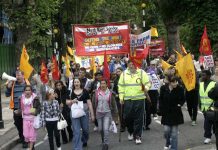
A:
{"x":139,"y":56}
{"x":55,"y":69}
{"x":186,"y":70}
{"x":179,"y":56}
{"x":67,"y":63}
{"x":106,"y":72}
{"x":25,"y":66}
{"x":154,"y":32}
{"x":72,"y":53}
{"x":183,"y":50}
{"x":205,"y":48}
{"x":93,"y":65}
{"x":44,"y":73}
{"x":165,"y":65}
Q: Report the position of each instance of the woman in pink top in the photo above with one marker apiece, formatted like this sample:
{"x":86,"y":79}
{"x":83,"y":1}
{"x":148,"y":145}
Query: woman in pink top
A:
{"x":30,"y":107}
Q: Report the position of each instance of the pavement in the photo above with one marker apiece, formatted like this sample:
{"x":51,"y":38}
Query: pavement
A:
{"x":190,"y":138}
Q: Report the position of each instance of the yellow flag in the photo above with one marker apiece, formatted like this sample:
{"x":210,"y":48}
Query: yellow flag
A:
{"x":70,"y":50}
{"x":24,"y":63}
{"x":186,"y":70}
{"x":179,"y":56}
{"x":165,"y":65}
{"x":67,"y":63}
{"x":93,"y":66}
{"x":154,"y":32}
{"x":183,"y":49}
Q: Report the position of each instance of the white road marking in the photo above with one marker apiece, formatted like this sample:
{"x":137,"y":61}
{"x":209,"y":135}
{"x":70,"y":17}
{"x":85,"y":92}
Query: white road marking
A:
{"x":39,"y":143}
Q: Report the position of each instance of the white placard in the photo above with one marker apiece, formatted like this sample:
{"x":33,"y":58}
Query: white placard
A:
{"x":208,"y":61}
{"x":141,"y":39}
{"x":155,"y":82}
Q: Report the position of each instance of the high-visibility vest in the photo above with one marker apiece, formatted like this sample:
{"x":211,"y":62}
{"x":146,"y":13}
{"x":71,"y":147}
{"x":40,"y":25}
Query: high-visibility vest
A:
{"x":11,"y":104}
{"x":130,"y":87}
{"x":204,"y":99}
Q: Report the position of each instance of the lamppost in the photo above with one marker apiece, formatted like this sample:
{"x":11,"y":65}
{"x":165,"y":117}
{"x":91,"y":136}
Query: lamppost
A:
{"x":1,"y":120}
{"x":143,"y":15}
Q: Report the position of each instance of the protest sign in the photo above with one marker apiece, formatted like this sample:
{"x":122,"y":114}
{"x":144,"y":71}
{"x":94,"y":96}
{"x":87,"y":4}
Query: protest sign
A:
{"x":92,"y":40}
{"x":141,"y":39}
{"x":208,"y":61}
{"x":155,"y":81}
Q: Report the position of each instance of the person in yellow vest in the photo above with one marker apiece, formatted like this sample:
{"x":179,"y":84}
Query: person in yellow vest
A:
{"x":133,"y":85}
{"x":15,"y":90}
{"x":205,"y":102}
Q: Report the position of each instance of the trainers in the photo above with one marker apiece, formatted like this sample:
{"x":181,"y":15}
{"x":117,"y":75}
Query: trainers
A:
{"x":155,"y":117}
{"x":194,"y":123}
{"x":95,"y":128}
{"x":138,"y":140}
{"x":207,"y":141}
{"x":59,"y":148}
{"x":130,"y":137}
{"x":166,"y":148}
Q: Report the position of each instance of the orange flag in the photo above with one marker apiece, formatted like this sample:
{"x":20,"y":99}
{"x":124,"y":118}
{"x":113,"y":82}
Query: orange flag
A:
{"x":165,"y":65}
{"x":183,"y":50}
{"x":186,"y":70}
{"x":25,"y":66}
{"x":205,"y":47}
{"x":179,"y":56}
{"x":44,"y":73}
{"x":55,"y":69}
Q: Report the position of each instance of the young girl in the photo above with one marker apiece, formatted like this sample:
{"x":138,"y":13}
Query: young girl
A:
{"x":171,"y":101}
{"x":104,"y":104}
{"x":50,"y":116}
{"x":30,"y":107}
{"x":79,"y":94}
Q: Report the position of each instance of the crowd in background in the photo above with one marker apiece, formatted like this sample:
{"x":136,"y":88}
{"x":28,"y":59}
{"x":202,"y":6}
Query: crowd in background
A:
{"x":102,"y":103}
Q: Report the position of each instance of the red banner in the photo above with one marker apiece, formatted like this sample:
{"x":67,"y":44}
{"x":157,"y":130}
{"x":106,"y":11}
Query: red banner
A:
{"x":91,"y":40}
{"x":157,"y":47}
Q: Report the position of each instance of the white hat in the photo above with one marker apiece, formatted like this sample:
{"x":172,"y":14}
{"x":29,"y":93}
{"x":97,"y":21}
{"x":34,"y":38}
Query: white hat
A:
{"x":153,"y":62}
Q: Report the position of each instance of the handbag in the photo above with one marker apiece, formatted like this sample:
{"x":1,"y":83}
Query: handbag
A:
{"x":210,"y":114}
{"x":77,"y":111}
{"x":113,"y":127}
{"x":37,"y":123}
{"x":62,"y":123}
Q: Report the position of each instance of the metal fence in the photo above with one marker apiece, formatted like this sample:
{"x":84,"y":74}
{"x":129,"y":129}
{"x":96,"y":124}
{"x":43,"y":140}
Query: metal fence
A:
{"x":8,"y":59}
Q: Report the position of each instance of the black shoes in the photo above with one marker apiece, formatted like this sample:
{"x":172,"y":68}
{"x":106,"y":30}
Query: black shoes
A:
{"x":105,"y":147}
{"x":122,"y":129}
{"x":25,"y":145}
{"x":85,"y":144}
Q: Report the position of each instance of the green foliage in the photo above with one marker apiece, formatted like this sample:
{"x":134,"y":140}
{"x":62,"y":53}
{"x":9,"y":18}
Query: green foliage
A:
{"x":203,"y":13}
{"x":102,"y":11}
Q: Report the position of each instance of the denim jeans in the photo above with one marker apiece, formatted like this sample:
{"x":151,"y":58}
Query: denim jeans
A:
{"x":171,"y":136}
{"x":77,"y":124}
{"x":103,"y":127}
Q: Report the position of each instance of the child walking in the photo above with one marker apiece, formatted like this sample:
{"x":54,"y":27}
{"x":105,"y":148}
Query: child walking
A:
{"x":30,"y":107}
{"x":50,"y":116}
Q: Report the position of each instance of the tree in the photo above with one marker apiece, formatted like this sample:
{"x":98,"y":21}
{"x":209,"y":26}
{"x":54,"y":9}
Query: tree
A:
{"x":202,"y":13}
{"x":31,"y":20}
{"x":172,"y":13}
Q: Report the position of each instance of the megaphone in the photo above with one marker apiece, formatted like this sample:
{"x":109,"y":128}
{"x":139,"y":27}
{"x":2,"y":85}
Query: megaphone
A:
{"x":7,"y":77}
